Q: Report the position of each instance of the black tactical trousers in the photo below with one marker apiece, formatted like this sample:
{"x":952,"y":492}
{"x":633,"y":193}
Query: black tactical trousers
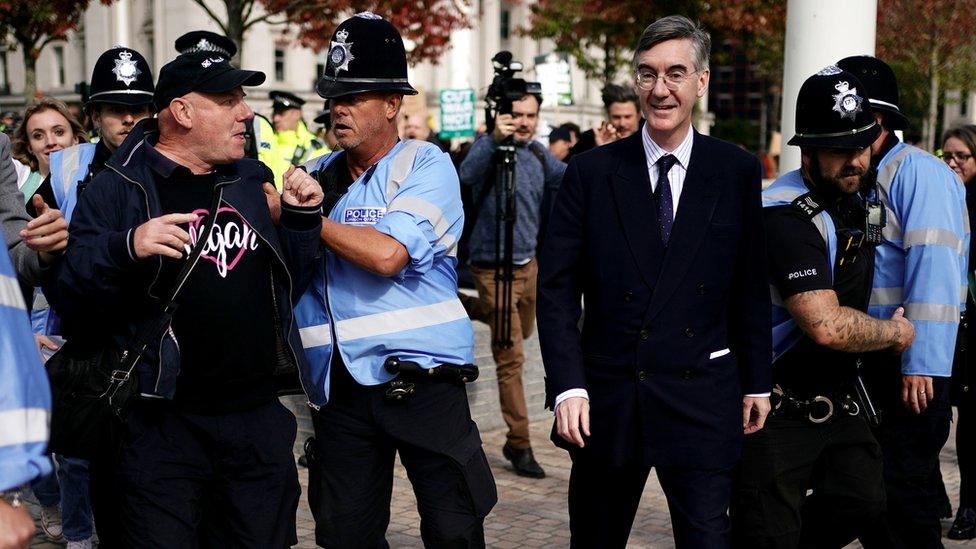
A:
{"x":839,"y":460}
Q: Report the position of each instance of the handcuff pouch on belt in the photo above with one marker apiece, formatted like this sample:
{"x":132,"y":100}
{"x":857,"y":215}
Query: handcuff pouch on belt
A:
{"x":816,"y":410}
{"x":410,"y":374}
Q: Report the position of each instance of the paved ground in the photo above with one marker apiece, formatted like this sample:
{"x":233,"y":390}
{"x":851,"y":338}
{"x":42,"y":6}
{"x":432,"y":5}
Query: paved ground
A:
{"x":532,"y":513}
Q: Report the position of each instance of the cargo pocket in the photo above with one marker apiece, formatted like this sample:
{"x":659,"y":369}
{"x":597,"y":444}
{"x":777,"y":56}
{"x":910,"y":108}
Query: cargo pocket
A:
{"x":479,"y":484}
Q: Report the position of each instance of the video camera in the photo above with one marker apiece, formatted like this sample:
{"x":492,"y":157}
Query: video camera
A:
{"x":505,"y":88}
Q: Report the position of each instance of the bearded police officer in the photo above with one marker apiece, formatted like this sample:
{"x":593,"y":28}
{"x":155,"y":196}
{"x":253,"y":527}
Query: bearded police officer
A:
{"x":921,"y":266}
{"x":385,"y":301}
{"x":821,"y":240}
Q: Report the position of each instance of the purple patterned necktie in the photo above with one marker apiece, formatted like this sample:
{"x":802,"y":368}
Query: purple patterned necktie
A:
{"x":665,"y":203}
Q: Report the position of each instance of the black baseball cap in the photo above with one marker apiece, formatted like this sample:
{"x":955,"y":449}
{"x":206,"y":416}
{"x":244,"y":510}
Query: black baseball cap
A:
{"x":881,"y":87}
{"x":201,"y":71}
{"x":833,"y":112}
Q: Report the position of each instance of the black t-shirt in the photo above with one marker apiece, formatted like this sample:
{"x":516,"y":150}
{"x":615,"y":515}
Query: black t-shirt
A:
{"x":798,"y":262}
{"x":225,"y":320}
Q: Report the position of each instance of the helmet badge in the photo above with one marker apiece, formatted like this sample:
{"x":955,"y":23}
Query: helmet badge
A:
{"x":125,"y":69}
{"x":846,"y":102}
{"x":340,"y":52}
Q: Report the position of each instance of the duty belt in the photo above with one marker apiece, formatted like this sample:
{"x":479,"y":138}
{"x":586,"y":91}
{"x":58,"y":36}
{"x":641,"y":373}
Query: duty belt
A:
{"x":818,"y":409}
{"x":409,"y":374}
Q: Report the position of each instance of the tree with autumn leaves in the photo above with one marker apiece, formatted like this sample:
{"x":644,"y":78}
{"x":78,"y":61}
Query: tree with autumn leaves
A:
{"x":931,"y":47}
{"x":34,"y":24}
{"x":600,"y":34}
{"x":426,"y":24}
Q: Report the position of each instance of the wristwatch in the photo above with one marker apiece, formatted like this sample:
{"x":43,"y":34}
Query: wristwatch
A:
{"x":12,"y":496}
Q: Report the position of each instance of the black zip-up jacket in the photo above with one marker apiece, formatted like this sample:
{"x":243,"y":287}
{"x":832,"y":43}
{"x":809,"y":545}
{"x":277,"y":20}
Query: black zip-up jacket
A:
{"x":103,"y":291}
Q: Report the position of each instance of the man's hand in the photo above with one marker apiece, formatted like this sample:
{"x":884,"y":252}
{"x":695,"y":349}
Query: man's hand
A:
{"x":904,"y":331}
{"x":300,"y":189}
{"x":573,"y":419}
{"x":44,"y":342}
{"x":754,"y":412}
{"x":504,"y":128}
{"x":48,"y":232}
{"x":163,"y":236}
{"x":606,"y":133}
{"x":274,"y":201}
{"x":16,"y":526}
{"x":916,"y":392}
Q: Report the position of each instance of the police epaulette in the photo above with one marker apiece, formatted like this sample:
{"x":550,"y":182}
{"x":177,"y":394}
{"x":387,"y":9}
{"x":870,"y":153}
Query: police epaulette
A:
{"x":808,"y":204}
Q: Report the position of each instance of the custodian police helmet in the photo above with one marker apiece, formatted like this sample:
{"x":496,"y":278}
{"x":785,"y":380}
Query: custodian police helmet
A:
{"x":833,"y":111}
{"x":882,"y":87}
{"x":366,"y":54}
{"x":121,"y":75}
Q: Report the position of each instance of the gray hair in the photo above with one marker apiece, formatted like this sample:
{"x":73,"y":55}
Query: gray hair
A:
{"x":676,"y":27}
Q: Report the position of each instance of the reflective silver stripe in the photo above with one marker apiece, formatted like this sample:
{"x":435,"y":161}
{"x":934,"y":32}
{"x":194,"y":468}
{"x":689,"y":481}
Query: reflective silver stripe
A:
{"x":367,"y":80}
{"x":316,"y":336}
{"x":929,"y":237}
{"x":400,"y":167}
{"x":887,"y":174}
{"x":818,"y":220}
{"x":775,"y":297}
{"x":23,"y":426}
{"x":69,"y":163}
{"x":786,"y":196}
{"x":838,"y":134}
{"x":884,"y":103}
{"x":401,"y":320}
{"x":10,"y":295}
{"x":886,"y":296}
{"x":127,"y":92}
{"x":932,"y":311}
{"x":419,"y":206}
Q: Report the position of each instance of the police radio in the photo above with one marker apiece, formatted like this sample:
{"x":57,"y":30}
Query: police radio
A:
{"x":875,"y":220}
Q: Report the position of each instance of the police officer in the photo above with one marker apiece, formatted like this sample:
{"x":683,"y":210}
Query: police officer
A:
{"x":295,"y":141}
{"x":921,"y":266}
{"x":821,"y":260}
{"x":120,"y":95}
{"x":385,"y":298}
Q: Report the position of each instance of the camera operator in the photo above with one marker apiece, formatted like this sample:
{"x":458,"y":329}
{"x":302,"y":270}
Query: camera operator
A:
{"x":623,"y":119}
{"x":537,"y":175}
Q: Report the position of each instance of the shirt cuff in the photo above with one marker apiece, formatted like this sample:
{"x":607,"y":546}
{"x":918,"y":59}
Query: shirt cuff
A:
{"x":759,"y":395}
{"x":570,"y":394}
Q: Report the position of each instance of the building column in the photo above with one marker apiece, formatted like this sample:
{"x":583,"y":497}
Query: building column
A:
{"x":120,"y":14}
{"x":819,"y":34}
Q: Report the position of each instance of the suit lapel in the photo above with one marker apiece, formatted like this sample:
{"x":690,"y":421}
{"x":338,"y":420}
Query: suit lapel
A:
{"x":695,"y":208}
{"x":630,"y":186}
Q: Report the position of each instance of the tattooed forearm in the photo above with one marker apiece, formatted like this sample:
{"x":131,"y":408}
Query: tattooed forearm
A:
{"x":825,"y":321}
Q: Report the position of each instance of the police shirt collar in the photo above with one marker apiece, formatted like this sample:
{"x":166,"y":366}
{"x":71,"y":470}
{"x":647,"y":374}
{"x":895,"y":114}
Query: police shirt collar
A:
{"x":654,"y":152}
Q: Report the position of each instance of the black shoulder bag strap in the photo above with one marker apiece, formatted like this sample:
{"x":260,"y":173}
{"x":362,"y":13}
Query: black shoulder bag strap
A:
{"x":151,"y":329}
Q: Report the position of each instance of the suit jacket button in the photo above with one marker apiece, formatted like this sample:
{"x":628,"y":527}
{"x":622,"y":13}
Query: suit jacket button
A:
{"x":701,"y":289}
{"x":641,"y":376}
{"x":689,"y":332}
{"x":644,"y":335}
{"x":628,"y":296}
{"x":686,"y":374}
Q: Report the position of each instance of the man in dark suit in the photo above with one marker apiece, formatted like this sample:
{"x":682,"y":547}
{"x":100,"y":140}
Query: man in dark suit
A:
{"x":661,"y":233}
